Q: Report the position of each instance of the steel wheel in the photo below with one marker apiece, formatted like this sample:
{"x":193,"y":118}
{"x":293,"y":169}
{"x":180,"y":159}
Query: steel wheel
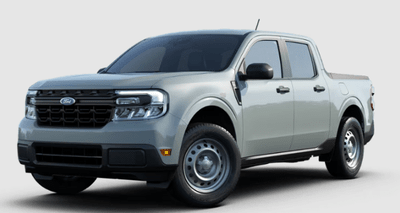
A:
{"x":209,"y":166}
{"x":348,"y":153}
{"x":206,"y":165}
{"x":351,"y":149}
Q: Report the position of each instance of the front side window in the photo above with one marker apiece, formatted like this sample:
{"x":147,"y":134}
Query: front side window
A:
{"x":300,"y":60}
{"x":175,"y":53}
{"x":265,"y":52}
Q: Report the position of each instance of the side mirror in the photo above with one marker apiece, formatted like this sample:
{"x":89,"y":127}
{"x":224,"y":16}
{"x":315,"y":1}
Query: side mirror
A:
{"x":258,"y":71}
{"x":101,"y":70}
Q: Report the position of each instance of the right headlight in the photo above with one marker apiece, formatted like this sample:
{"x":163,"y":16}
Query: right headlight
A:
{"x":30,"y":109}
{"x":140,"y":104}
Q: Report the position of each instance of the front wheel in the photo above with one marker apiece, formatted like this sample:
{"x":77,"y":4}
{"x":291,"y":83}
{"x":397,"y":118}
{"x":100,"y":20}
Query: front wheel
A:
{"x":63,"y":184}
{"x":209,"y":166}
{"x":349,"y":150}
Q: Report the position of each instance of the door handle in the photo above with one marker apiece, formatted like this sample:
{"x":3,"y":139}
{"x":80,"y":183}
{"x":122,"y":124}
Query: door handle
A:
{"x":319,"y":88}
{"x":282,"y":89}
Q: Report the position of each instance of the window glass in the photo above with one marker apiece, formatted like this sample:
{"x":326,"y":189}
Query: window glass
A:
{"x":265,"y":52}
{"x":300,"y":60}
{"x":148,"y":60}
{"x":176,"y":53}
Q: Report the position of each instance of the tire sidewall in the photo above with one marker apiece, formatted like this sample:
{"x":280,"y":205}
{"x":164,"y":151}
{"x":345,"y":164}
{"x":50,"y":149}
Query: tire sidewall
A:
{"x":184,"y":190}
{"x":350,"y":124}
{"x":64,"y":184}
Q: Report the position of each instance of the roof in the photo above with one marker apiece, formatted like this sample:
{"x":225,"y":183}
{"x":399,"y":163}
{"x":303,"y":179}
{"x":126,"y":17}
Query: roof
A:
{"x":236,"y":32}
{"x":222,"y":31}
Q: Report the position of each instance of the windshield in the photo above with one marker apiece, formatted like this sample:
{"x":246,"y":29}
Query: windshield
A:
{"x":200,"y":52}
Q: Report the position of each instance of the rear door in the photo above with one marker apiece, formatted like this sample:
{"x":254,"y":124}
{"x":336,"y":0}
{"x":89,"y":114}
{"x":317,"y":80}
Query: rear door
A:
{"x":311,"y":98}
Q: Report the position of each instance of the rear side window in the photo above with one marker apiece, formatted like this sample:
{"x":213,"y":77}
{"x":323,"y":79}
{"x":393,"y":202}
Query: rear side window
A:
{"x":300,"y":60}
{"x":265,"y":52}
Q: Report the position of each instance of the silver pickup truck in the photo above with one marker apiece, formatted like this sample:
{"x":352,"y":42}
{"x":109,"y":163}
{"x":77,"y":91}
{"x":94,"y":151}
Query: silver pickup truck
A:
{"x":186,"y":111}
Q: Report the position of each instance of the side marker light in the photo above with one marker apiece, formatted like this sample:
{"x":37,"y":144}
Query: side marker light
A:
{"x":166,"y":152}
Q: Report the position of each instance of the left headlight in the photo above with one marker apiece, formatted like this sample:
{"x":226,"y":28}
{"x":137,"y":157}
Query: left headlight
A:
{"x":140,"y":104}
{"x":30,"y":109}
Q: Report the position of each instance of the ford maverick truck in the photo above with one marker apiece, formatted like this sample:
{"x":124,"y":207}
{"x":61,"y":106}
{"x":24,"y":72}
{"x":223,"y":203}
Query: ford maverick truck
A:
{"x":187,"y":111}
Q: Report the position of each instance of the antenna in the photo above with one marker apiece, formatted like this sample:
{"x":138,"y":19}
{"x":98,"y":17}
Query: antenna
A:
{"x":257,"y":24}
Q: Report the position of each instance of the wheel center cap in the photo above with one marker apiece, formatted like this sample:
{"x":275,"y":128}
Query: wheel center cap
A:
{"x":350,"y":148}
{"x":205,"y":164}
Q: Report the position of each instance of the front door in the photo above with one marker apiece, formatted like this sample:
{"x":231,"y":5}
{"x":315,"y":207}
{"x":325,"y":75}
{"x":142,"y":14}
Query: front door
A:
{"x":267,"y":104}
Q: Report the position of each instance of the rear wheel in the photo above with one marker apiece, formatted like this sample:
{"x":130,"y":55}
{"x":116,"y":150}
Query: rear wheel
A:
{"x":349,"y":150}
{"x":63,"y":184}
{"x":209,"y":166}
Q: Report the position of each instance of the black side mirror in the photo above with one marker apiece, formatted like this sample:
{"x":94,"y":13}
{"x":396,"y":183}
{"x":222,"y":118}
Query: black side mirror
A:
{"x":101,"y":70}
{"x":258,"y":71}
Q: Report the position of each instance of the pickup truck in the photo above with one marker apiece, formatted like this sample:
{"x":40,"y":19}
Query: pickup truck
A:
{"x":187,"y":111}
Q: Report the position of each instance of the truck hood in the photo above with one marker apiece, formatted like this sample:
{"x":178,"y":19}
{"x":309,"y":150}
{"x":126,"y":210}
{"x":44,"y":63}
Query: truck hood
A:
{"x":107,"y":81}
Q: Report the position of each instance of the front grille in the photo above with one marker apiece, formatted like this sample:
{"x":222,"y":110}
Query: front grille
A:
{"x":85,"y":155}
{"x":76,"y":116}
{"x":93,"y":108}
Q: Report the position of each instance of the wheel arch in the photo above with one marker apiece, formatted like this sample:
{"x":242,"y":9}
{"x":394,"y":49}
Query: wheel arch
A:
{"x":352,"y":107}
{"x":354,"y":111}
{"x":214,"y":115}
{"x":215,"y":111}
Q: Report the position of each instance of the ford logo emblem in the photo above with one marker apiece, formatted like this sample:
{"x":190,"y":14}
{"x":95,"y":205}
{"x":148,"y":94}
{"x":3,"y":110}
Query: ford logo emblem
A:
{"x":67,"y":101}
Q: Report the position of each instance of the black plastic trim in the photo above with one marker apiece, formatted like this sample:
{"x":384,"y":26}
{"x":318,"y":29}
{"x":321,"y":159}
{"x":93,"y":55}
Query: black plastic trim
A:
{"x":236,"y":92}
{"x":151,"y":168}
{"x":91,"y":108}
{"x":368,"y":135}
{"x":290,"y":156}
{"x":286,"y":69}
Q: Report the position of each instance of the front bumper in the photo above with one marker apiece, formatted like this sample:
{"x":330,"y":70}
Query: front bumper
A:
{"x":162,"y":133}
{"x":125,"y":150}
{"x":124,"y":161}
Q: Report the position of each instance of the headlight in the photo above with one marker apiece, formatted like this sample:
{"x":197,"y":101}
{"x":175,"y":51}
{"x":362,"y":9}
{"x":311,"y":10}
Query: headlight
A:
{"x":30,"y":109}
{"x":138,"y":105}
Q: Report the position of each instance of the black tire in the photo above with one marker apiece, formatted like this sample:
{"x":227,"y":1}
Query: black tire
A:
{"x":349,"y":150}
{"x":63,"y":184}
{"x":213,"y":144}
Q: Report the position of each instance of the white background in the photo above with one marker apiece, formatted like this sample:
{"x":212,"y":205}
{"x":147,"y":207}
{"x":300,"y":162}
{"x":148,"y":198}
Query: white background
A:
{"x":46,"y":39}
